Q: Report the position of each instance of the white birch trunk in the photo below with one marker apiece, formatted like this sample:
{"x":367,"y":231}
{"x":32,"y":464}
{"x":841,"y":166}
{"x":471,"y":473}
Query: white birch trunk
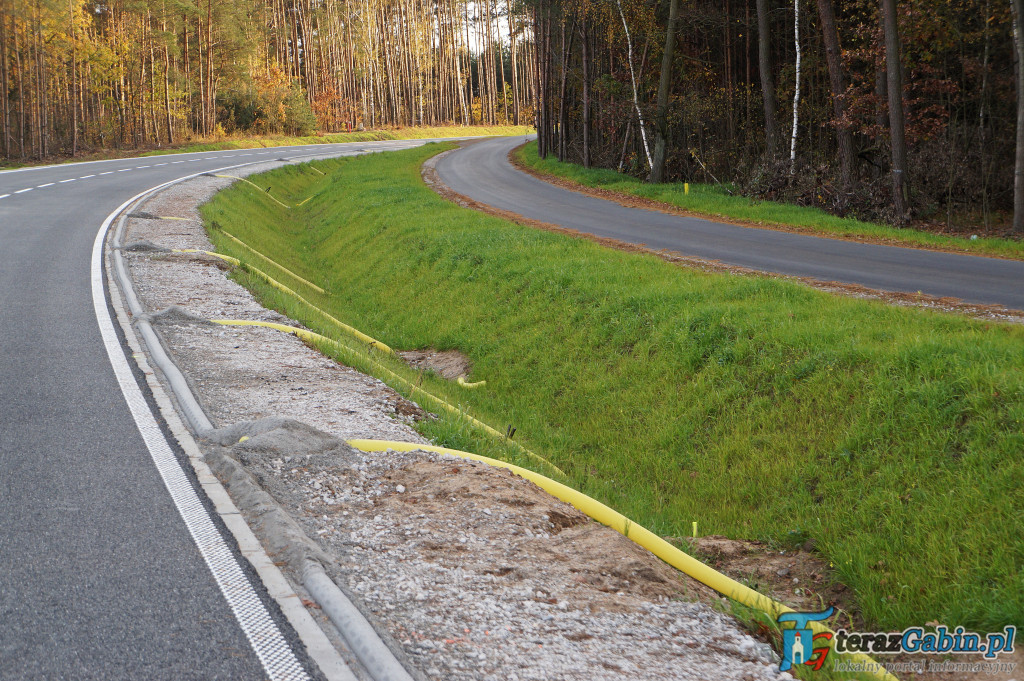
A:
{"x":632,"y":76}
{"x":796,"y":92}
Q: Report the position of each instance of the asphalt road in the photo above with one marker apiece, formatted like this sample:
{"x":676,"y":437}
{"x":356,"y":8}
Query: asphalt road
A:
{"x":482,"y":172}
{"x":99,"y":577}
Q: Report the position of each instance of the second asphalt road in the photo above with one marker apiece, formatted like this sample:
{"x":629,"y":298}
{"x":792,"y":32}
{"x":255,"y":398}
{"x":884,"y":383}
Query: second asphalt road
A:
{"x":483,"y":172}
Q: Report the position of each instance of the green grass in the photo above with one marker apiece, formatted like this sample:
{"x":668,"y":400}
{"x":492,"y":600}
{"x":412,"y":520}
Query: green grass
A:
{"x":715,"y":202}
{"x":762,"y":409}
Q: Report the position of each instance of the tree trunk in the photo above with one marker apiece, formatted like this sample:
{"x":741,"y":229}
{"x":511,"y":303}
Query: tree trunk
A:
{"x":837,"y":79}
{"x":74,"y":80}
{"x":585,"y":39}
{"x":894,"y":69}
{"x":632,"y":77}
{"x":664,"y":84}
{"x":796,"y":90}
{"x":764,"y":63}
{"x":4,"y":83}
{"x":1018,"y":175}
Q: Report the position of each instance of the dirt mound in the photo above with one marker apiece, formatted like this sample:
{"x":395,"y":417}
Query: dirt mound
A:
{"x":796,"y":577}
{"x":448,"y":364}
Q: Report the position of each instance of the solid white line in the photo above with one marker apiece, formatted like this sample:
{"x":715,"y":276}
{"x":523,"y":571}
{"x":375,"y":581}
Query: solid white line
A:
{"x":70,"y":179}
{"x":22,"y":191}
{"x":48,"y":184}
{"x":273,"y":651}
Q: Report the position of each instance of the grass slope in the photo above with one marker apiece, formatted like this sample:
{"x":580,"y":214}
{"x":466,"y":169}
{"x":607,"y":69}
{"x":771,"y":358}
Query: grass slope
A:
{"x":759,"y":408}
{"x":714,"y":201}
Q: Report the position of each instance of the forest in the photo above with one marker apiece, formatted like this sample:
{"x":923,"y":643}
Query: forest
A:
{"x":892,"y":110}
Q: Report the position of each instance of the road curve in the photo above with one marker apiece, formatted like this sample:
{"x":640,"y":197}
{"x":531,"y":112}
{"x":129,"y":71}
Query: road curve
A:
{"x":99,"y":575}
{"x":482,"y":172}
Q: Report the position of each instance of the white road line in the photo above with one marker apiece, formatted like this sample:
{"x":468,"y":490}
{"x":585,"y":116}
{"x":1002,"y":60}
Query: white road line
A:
{"x":86,"y":177}
{"x":109,"y":172}
{"x":271,"y":648}
{"x":70,"y":179}
{"x":195,"y":160}
{"x":22,"y":191}
{"x":4,"y":196}
{"x":48,"y":184}
{"x":173,"y":162}
{"x":245,"y":155}
{"x":124,"y":170}
{"x":159,"y":164}
{"x":141,"y":167}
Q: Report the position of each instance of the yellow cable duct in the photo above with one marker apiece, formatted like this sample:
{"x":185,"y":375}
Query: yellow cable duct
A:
{"x":314,"y":337}
{"x":275,"y":264}
{"x":262,"y":190}
{"x":637,"y":533}
{"x":372,"y":342}
{"x":461,"y":380}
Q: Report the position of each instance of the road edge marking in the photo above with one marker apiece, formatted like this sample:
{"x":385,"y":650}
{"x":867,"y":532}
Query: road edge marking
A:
{"x":274,"y":653}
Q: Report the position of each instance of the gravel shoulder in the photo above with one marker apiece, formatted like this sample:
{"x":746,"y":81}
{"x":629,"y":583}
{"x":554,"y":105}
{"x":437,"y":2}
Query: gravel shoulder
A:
{"x":473,"y":572}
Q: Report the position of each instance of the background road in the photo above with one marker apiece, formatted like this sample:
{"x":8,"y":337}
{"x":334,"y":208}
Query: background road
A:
{"x":482,"y":172}
{"x":99,"y":577}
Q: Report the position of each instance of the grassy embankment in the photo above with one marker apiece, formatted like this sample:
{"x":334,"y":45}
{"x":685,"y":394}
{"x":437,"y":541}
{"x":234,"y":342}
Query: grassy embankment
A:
{"x":714,"y":201}
{"x":253,"y":142}
{"x":892,"y":437}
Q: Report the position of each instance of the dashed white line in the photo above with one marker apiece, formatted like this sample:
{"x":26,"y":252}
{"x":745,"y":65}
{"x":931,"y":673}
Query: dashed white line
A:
{"x":124,"y":170}
{"x":4,"y":196}
{"x":141,"y":167}
{"x":70,"y":179}
{"x":109,"y":172}
{"x":22,"y":191}
{"x":48,"y":184}
{"x":194,"y":160}
{"x":86,"y":177}
{"x":159,"y":164}
{"x":173,"y":162}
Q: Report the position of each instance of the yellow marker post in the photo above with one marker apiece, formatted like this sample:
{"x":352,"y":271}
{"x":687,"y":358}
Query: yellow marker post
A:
{"x":686,"y":188}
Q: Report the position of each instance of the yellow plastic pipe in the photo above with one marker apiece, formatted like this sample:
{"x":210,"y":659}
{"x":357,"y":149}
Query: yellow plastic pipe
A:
{"x":226,"y":258}
{"x":641,"y":535}
{"x":314,"y":337}
{"x":275,"y":264}
{"x":372,"y":342}
{"x":262,"y":191}
{"x":461,"y":380}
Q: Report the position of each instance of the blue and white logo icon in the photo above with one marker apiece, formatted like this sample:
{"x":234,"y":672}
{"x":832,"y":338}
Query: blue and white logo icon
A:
{"x":798,"y":642}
